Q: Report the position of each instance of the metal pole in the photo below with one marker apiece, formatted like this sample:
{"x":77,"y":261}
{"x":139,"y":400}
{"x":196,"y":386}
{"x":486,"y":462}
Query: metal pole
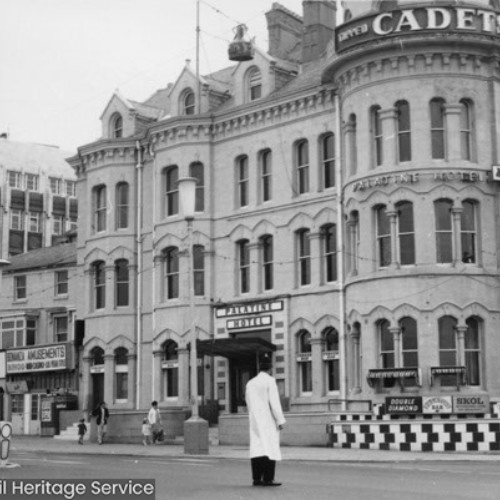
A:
{"x":138,"y":380}
{"x":198,"y":86}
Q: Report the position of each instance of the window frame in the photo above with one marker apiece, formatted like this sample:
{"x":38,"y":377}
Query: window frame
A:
{"x":377,"y":137}
{"x":302,"y":177}
{"x":122,"y":195}
{"x":171,"y":190}
{"x":254,"y":78}
{"x":243,"y":250}
{"x":197,"y":171}
{"x":122,"y":283}
{"x":403,"y":130}
{"x":406,"y":258}
{"x":467,"y":130}
{"x":267,"y":261}
{"x":61,"y":283}
{"x":188,"y":103}
{"x":32,"y":182}
{"x":444,"y":234}
{"x":304,"y":256}
{"x":198,"y":270}
{"x":437,"y":112}
{"x":242,"y":181}
{"x":100,"y":208}
{"x":304,"y":362}
{"x":384,"y":239}
{"x":56,"y":320}
{"x":329,"y":252}
{"x":265,"y":170}
{"x":20,"y":287}
{"x":172,"y":272}
{"x":99,"y":284}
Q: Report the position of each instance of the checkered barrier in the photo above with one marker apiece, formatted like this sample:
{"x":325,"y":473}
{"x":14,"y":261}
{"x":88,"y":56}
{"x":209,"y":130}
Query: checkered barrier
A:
{"x":450,"y":434}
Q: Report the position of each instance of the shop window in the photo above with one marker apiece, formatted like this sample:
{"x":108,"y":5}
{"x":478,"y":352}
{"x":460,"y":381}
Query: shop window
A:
{"x":265,"y":168}
{"x":376,"y":136}
{"x":171,"y":260}
{"x":328,"y":160}
{"x":267,"y":261}
{"x":331,"y":359}
{"x":383,"y":236}
{"x":60,"y":328}
{"x":244,"y":265}
{"x":304,"y":360}
{"x":20,"y":287}
{"x":172,"y":190}
{"x":472,"y":352}
{"x":444,"y":231}
{"x":329,"y":250}
{"x":242,"y":181}
{"x":122,"y":205}
{"x":199,"y":269}
{"x":121,"y":375}
{"x":99,"y":208}
{"x":170,"y":370}
{"x":304,"y":257}
{"x":99,"y":274}
{"x":466,"y":129}
{"x":61,"y":283}
{"x":438,"y":128}
{"x":403,"y":130}
{"x":406,"y":233}
{"x":301,"y":167}
{"x":468,"y":226}
{"x":447,"y":347}
{"x":196,"y":170}
{"x":122,"y":282}
{"x":17,"y":401}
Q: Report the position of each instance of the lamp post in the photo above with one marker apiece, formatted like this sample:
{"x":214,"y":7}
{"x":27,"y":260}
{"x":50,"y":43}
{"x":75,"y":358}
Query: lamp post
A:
{"x":195,"y":428}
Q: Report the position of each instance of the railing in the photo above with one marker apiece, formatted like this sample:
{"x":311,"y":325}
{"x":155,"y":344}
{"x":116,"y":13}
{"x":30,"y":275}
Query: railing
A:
{"x":347,"y":401}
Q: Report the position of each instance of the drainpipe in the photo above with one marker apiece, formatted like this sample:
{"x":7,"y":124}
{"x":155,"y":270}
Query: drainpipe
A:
{"x":138,"y":280}
{"x":340,"y":254}
{"x":153,"y":268}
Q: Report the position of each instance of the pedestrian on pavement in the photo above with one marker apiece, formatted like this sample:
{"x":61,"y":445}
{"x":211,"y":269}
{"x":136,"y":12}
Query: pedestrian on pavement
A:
{"x":102,"y":414}
{"x":146,"y":432}
{"x":154,"y":419}
{"x":82,"y":429}
{"x":266,"y":420}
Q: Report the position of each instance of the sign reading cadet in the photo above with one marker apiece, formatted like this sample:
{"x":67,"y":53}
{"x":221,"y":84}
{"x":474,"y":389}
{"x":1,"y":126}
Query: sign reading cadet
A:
{"x":403,"y":406}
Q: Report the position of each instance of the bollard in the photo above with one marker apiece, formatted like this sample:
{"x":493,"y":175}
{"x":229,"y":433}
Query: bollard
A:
{"x":5,"y":434}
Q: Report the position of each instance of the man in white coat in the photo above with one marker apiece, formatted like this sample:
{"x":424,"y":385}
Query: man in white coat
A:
{"x":266,"y":420}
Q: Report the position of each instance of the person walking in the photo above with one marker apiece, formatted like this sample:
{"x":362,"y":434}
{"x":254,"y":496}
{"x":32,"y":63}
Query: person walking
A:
{"x":146,"y":432}
{"x":154,"y":419}
{"x":82,"y":429}
{"x":265,"y":421}
{"x":102,"y":414}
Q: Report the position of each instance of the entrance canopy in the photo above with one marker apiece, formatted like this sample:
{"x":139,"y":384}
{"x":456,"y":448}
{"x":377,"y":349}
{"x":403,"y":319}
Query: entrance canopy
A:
{"x":246,"y":348}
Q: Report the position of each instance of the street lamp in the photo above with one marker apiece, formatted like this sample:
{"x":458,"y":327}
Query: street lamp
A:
{"x":195,"y":428}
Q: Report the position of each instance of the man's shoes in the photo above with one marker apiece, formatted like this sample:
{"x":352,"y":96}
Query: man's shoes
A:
{"x":258,"y":483}
{"x":271,"y":483}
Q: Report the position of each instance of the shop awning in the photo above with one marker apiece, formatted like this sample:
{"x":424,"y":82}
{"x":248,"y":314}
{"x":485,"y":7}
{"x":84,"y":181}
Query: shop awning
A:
{"x":241,"y":348}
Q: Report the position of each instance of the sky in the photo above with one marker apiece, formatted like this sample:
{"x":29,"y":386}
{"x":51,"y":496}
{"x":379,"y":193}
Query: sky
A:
{"x":61,"y":60}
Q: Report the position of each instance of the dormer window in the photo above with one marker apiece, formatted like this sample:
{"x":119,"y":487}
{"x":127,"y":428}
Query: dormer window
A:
{"x":117,"y":126}
{"x":188,"y":103}
{"x":254,"y":84}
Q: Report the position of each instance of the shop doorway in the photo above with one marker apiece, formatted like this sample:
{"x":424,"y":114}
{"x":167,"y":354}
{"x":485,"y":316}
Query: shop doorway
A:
{"x":239,"y":375}
{"x":97,"y":389}
{"x":17,"y":417}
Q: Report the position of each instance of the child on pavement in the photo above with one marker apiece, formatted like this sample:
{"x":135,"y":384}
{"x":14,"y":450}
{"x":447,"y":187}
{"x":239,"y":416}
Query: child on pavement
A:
{"x":146,"y":432}
{"x":82,"y":429}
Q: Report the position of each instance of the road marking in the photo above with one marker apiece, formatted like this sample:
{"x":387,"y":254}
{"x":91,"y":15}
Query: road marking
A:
{"x":202,"y":463}
{"x":45,"y":460}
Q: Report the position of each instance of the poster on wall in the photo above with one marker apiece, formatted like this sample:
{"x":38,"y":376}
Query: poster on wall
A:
{"x":437,"y":404}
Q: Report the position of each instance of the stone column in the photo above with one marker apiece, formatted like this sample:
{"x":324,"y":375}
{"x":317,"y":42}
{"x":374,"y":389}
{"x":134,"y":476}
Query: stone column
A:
{"x":255,"y":274}
{"x":461,"y":344}
{"x":352,"y":228}
{"x":388,"y":118}
{"x":457,"y":237}
{"x":393,"y":221}
{"x":350,"y":148}
{"x":85,"y":387}
{"x":157,"y":375}
{"x":159,"y":277}
{"x":109,"y":287}
{"x":355,"y":335}
{"x":396,"y":335}
{"x":316,"y":258}
{"x":109,"y":378}
{"x":317,"y":368}
{"x":183,"y":353}
{"x":453,"y":137}
{"x":132,"y":363}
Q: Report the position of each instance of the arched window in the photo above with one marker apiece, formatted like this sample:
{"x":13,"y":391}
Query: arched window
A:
{"x":121,"y":283}
{"x":254,"y":84}
{"x":242,"y":181}
{"x":444,"y":231}
{"x":188,"y":102}
{"x":406,"y":233}
{"x":328,"y":160}
{"x":466,"y":129}
{"x":199,"y":269}
{"x":438,"y":130}
{"x":99,"y":200}
{"x":172,"y":190}
{"x":304,"y":359}
{"x":122,"y":205}
{"x":304,"y":257}
{"x":376,"y":136}
{"x":244,"y":265}
{"x":196,"y":171}
{"x":121,"y":375}
{"x":99,"y":274}
{"x":329,"y":250}
{"x":351,"y":132}
{"x":302,"y":167}
{"x":468,"y":231}
{"x":97,"y":356}
{"x":116,"y":126}
{"x":387,"y":354}
{"x":383,"y":236}
{"x":170,"y":369}
{"x":265,"y":159}
{"x":403,"y":130}
{"x":267,"y":264}
{"x":171,"y":262}
{"x":447,"y":347}
{"x":472,"y":352}
{"x":331,"y":359}
{"x":409,"y":343}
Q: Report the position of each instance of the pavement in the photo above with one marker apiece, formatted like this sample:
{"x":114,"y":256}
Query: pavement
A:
{"x":21,"y":445}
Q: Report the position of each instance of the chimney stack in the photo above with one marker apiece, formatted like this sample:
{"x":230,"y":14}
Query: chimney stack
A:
{"x":319,"y":27}
{"x":285,"y":33}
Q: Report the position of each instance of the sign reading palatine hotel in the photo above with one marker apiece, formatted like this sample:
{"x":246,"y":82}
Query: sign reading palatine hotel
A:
{"x":251,"y":315}
{"x":453,"y":18}
{"x":36,"y":359}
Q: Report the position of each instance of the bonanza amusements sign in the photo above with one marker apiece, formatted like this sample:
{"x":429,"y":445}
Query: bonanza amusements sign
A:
{"x":451,"y":19}
{"x":35,"y":359}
